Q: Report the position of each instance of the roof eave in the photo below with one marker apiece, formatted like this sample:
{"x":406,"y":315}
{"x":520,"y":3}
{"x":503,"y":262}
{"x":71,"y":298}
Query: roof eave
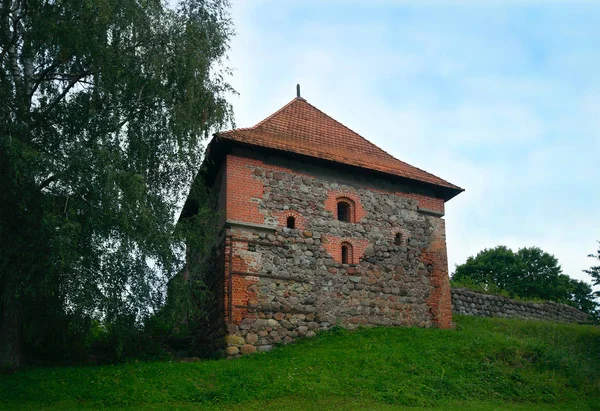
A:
{"x":444,"y":192}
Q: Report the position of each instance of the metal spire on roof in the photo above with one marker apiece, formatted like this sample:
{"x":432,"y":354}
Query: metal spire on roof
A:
{"x":298,"y":92}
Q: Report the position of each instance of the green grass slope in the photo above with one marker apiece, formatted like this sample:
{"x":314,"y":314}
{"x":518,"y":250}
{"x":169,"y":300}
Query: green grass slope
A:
{"x":483,"y":364}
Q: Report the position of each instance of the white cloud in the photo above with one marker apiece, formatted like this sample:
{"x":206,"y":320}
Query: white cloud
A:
{"x":495,"y":110}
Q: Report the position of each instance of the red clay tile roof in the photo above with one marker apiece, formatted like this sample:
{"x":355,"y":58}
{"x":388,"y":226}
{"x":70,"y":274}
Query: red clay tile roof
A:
{"x":301,"y":128}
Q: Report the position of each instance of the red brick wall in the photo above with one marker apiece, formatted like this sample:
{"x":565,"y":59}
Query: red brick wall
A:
{"x":243,"y":190}
{"x":440,"y":300}
{"x":243,"y":293}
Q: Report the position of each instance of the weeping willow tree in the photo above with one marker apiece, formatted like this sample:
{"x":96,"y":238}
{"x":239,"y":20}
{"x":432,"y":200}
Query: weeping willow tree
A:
{"x":104,"y":108}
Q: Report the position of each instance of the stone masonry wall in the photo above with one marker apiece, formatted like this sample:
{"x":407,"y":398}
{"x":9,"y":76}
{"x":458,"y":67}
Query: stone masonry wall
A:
{"x":468,"y":302}
{"x":288,"y":283}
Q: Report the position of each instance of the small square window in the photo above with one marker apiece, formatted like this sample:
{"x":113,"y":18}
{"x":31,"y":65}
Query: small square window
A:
{"x":398,"y":239}
{"x":291,"y":222}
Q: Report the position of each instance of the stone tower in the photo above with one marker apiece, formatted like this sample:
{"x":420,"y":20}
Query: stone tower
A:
{"x":322,"y":228}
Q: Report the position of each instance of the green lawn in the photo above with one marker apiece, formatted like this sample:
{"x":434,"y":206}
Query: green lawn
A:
{"x":484,"y":364}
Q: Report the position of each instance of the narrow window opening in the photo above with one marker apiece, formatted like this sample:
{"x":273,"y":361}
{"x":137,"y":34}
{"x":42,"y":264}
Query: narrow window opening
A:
{"x":347,"y":253}
{"x":398,"y":239}
{"x":291,"y":222}
{"x":251,"y":247}
{"x":343,"y":209}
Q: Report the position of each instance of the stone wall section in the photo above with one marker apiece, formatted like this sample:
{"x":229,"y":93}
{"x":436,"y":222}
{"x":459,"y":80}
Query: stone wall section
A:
{"x":468,"y":302}
{"x":289,"y":283}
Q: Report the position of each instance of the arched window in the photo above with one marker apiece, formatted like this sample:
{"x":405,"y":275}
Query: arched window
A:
{"x":344,"y":211}
{"x":398,"y":239}
{"x":291,"y":222}
{"x":347,"y":253}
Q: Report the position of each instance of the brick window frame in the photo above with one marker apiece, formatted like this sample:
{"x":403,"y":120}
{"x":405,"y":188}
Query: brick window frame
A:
{"x":356,"y":209}
{"x":346,"y":253}
{"x":299,"y":220}
{"x":350,"y":210}
{"x":333,"y":246}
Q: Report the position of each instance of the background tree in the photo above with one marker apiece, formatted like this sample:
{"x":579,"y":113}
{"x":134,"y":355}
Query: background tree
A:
{"x":539,"y":275}
{"x":491,"y":269}
{"x":529,"y":273}
{"x":594,"y":270}
{"x":104,"y":108}
{"x":582,"y":297}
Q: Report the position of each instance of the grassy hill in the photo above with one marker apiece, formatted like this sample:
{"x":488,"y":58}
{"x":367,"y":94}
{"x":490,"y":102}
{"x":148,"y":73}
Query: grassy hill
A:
{"x":483,"y":364}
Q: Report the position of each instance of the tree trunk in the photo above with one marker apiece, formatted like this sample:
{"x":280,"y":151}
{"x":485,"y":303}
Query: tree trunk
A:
{"x":11,"y":332}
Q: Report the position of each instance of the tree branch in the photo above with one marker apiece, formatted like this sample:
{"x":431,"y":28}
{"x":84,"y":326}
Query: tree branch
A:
{"x":48,"y":181}
{"x":45,"y":72}
{"x":60,"y":97}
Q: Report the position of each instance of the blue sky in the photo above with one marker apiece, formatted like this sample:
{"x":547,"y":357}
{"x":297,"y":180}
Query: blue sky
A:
{"x":501,"y":98}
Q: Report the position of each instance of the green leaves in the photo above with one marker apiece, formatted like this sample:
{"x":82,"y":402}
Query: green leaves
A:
{"x":105,"y":107}
{"x":530,"y":273}
{"x":594,"y":271}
